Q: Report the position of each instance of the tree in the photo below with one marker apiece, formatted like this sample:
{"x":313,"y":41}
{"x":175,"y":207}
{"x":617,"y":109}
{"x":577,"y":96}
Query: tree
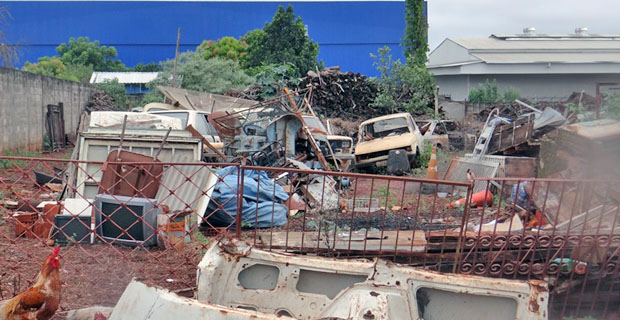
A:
{"x":215,"y":75}
{"x":225,"y":48}
{"x":83,"y":52}
{"x":283,"y":40}
{"x":270,"y":79}
{"x":47,"y":66}
{"x":54,"y":67}
{"x":150,"y":67}
{"x":402,"y":87}
{"x":7,"y":52}
{"x":415,"y":42}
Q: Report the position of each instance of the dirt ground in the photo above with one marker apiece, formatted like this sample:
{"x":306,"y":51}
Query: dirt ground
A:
{"x":98,"y":274}
{"x":95,"y":274}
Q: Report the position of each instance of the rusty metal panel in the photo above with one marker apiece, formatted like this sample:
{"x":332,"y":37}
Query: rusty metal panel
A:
{"x":318,"y":288}
{"x":457,"y":171}
{"x":96,"y":146}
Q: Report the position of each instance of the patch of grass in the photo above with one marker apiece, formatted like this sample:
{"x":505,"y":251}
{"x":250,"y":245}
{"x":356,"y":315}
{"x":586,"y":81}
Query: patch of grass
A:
{"x":10,"y":164}
{"x":202,"y":239}
{"x":391,"y":199}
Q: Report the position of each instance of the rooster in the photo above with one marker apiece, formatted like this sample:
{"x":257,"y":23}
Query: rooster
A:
{"x":41,"y":301}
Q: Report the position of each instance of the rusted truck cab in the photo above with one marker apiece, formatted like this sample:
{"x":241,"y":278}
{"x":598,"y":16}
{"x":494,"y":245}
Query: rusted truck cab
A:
{"x":379,"y":135}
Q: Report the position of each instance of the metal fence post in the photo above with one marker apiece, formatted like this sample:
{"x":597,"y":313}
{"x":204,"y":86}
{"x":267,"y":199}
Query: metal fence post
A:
{"x":240,"y":182}
{"x":459,"y":245}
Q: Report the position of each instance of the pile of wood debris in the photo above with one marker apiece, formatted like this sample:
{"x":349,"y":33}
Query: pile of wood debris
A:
{"x":341,"y":95}
{"x":100,"y":101}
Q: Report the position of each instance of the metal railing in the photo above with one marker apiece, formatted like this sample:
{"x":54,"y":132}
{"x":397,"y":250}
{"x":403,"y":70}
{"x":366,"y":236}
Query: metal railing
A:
{"x":154,"y":221}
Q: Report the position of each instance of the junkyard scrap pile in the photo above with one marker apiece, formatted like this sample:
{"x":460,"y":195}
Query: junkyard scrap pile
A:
{"x":341,"y":95}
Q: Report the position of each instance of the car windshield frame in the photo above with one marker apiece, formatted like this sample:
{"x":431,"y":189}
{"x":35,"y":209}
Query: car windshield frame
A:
{"x":389,"y":127}
{"x":183,"y":116}
{"x":312,"y":123}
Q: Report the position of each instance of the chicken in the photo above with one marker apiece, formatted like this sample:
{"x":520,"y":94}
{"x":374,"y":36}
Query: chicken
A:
{"x":41,"y":301}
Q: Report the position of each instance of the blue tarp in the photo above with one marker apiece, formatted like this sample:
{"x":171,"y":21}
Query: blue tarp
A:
{"x":261,"y":203}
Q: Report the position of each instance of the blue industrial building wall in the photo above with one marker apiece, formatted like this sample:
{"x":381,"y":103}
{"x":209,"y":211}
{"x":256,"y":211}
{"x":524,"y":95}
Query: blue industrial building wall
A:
{"x":145,"y":31}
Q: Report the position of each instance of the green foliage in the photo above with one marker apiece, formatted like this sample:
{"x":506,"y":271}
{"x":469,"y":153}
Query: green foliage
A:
{"x":152,"y":96}
{"x":10,"y":164}
{"x":425,"y":156}
{"x":225,"y":48}
{"x":283,"y":40}
{"x":575,"y":108}
{"x":485,"y":93}
{"x":271,"y":78}
{"x":488,"y":93}
{"x":416,"y":45}
{"x":83,"y":52}
{"x":77,"y":60}
{"x":47,"y":66}
{"x":511,"y":94}
{"x":611,"y":106}
{"x":150,"y":67}
{"x":54,"y":67}
{"x":115,"y":90}
{"x":215,"y":75}
{"x":407,"y":86}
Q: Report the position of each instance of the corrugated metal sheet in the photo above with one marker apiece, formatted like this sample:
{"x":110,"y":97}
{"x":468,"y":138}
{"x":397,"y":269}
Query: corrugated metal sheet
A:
{"x":179,"y":193}
{"x":457,"y":171}
{"x":123,"y":77}
{"x":196,"y":100}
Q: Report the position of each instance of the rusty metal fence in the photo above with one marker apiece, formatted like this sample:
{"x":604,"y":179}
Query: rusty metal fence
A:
{"x":154,"y":221}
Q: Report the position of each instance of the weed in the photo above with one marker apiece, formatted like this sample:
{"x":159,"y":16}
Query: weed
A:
{"x":10,"y":164}
{"x":486,"y":93}
{"x":202,"y":239}
{"x":511,"y":94}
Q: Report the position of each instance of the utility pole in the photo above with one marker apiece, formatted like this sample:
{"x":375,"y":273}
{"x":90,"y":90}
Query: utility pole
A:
{"x":176,"y":59}
{"x":437,"y":103}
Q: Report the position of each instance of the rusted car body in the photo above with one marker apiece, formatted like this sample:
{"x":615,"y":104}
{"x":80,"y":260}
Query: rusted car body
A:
{"x":142,"y":302}
{"x":341,"y":146}
{"x":434,"y":132}
{"x":235,"y":274}
{"x":378,"y":136}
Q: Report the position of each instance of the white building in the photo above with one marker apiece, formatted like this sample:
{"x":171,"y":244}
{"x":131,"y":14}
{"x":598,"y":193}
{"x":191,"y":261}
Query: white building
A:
{"x":539,"y":66}
{"x":134,"y":82}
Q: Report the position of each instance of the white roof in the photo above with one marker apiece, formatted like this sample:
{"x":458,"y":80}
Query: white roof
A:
{"x":498,"y":52}
{"x":493,"y":43}
{"x":123,"y":77}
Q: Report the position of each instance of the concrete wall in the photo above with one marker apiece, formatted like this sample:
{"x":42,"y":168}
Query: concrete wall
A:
{"x":533,"y":86}
{"x":23,"y":104}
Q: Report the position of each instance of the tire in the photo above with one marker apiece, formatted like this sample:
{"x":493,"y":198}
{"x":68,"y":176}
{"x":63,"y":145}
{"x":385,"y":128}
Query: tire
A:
{"x":415,"y":161}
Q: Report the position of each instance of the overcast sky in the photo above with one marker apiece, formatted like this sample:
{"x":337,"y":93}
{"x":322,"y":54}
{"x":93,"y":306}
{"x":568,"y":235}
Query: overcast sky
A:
{"x":481,"y":18}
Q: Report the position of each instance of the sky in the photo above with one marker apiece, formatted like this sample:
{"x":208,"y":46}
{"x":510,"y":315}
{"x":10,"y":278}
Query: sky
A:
{"x":481,"y":18}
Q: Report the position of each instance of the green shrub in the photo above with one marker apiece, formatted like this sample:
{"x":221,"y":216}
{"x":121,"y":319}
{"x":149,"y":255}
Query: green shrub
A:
{"x":511,"y":94}
{"x":215,"y":75}
{"x":611,"y":105}
{"x":115,"y":90}
{"x":486,"y":93}
{"x":402,"y":87}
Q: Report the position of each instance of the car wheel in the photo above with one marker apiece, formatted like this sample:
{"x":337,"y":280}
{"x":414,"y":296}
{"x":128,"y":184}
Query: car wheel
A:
{"x":415,"y":161}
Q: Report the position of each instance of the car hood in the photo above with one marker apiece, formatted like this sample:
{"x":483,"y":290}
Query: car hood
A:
{"x":383,"y":144}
